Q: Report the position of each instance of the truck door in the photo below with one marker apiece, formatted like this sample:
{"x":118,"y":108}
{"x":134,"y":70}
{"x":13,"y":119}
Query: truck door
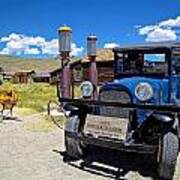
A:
{"x":175,"y":90}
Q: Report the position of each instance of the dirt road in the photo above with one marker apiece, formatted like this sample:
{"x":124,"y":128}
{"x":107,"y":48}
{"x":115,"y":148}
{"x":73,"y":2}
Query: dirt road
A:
{"x":26,"y":155}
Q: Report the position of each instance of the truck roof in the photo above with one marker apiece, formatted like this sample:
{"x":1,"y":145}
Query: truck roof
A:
{"x":147,"y":46}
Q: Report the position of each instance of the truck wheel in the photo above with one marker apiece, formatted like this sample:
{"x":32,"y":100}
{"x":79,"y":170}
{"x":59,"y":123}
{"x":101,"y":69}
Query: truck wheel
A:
{"x":179,"y":129}
{"x":168,"y":152}
{"x":74,"y":147}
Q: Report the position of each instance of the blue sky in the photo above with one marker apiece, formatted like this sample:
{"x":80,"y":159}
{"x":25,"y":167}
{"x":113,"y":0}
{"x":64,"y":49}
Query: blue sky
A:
{"x":113,"y":21}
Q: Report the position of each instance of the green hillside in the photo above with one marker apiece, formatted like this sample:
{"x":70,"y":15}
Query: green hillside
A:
{"x":14,"y":64}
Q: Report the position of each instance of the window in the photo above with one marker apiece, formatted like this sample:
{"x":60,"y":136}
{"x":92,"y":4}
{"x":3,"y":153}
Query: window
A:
{"x":155,"y":63}
{"x":145,"y":63}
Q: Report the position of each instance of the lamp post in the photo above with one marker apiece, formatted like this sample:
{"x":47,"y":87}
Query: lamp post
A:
{"x":65,"y":39}
{"x":91,"y":52}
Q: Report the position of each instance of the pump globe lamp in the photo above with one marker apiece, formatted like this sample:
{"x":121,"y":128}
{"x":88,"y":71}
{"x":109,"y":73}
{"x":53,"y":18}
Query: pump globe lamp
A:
{"x":65,"y":39}
{"x":91,"y":45}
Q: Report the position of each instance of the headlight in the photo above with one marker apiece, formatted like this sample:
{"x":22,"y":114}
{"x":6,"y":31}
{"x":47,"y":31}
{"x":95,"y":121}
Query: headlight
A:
{"x":144,"y":91}
{"x":87,"y":89}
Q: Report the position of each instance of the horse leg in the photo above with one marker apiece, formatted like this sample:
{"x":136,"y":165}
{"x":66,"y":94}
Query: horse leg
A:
{"x":2,"y":112}
{"x":11,"y":111}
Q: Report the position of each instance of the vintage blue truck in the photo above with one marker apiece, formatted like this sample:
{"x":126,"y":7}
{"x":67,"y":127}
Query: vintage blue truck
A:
{"x":138,"y":112}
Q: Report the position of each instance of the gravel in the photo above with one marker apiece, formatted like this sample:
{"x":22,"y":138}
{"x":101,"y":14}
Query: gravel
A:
{"x":26,"y":155}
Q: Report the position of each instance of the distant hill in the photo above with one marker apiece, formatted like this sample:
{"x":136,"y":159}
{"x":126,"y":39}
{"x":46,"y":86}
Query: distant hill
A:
{"x":14,"y":64}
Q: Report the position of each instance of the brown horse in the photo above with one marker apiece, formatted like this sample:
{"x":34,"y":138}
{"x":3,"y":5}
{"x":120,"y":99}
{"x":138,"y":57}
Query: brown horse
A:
{"x":8,"y":100}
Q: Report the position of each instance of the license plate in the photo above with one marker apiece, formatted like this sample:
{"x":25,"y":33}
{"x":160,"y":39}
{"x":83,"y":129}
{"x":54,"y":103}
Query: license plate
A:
{"x":103,"y":126}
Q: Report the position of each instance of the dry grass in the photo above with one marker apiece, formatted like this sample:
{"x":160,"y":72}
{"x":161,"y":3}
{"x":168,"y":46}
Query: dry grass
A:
{"x":44,"y":124}
{"x":24,"y":111}
{"x":34,"y":97}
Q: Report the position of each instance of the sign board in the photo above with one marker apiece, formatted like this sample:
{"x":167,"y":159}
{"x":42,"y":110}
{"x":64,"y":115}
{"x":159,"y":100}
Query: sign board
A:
{"x":102,"y":126}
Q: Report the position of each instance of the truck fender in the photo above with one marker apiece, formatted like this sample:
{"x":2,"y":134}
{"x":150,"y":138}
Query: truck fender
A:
{"x":70,"y":110}
{"x":162,"y":118}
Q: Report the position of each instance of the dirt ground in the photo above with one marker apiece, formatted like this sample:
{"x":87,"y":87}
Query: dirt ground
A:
{"x":26,"y":155}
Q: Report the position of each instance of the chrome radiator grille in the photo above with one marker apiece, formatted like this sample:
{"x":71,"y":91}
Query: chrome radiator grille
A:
{"x":115,"y":96}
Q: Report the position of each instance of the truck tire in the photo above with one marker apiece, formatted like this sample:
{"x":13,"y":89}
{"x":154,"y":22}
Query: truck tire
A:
{"x":74,"y":148}
{"x":178,"y":129}
{"x":168,"y":152}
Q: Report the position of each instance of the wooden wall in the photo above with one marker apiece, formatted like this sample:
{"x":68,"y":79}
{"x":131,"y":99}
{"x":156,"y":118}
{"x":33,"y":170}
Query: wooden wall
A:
{"x":80,"y":72}
{"x":105,"y":72}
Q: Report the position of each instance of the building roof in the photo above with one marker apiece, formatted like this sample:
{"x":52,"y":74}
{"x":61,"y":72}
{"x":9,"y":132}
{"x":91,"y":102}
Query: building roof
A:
{"x":103,"y":55}
{"x":42,"y":74}
{"x":148,"y":46}
{"x":25,"y":72}
{"x":55,"y":71}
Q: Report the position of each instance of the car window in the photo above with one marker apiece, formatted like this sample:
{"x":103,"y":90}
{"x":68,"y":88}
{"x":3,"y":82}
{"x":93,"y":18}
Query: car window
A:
{"x":155,"y":63}
{"x":145,"y":63}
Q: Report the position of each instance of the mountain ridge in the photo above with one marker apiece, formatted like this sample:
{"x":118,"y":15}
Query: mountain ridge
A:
{"x":15,"y":64}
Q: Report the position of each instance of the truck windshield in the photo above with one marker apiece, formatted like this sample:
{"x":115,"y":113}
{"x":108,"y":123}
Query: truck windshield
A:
{"x":143,"y":63}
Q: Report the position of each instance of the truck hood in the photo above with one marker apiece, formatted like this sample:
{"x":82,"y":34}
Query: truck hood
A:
{"x":160,"y":88}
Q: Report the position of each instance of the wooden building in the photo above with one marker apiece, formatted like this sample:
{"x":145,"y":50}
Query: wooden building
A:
{"x":55,"y":76}
{"x":79,"y":68}
{"x":104,"y":62}
{"x":23,"y":77}
{"x":7,"y":76}
{"x":1,"y":70}
{"x":41,"y":77}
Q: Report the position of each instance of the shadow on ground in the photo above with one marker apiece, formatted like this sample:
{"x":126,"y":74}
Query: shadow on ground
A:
{"x":113,"y":164}
{"x":10,"y":118}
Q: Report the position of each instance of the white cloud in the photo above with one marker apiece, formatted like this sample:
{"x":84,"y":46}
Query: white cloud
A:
{"x":111,"y":45}
{"x":138,"y":26}
{"x":32,"y":51}
{"x":147,"y":29}
{"x":166,"y":30}
{"x":12,"y":36}
{"x":160,"y":34}
{"x":50,"y":47}
{"x":4,"y":51}
{"x":76,"y":51}
{"x":171,"y":22}
{"x":19,"y":44}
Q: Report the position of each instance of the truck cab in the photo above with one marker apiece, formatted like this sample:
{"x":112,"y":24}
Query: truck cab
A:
{"x":137,"y":112}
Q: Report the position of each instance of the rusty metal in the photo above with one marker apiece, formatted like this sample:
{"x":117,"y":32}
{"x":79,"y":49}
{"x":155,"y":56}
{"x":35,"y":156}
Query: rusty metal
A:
{"x":93,"y":76}
{"x":65,"y":38}
{"x":91,"y":52}
{"x":65,"y":79}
